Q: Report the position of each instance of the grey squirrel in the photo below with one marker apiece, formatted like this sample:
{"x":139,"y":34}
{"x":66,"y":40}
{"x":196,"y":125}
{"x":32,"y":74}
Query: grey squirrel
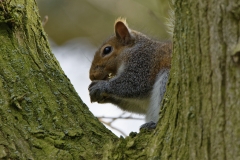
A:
{"x":131,"y":71}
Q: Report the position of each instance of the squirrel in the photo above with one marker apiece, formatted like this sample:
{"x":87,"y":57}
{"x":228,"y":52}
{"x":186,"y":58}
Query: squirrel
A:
{"x":130,"y":70}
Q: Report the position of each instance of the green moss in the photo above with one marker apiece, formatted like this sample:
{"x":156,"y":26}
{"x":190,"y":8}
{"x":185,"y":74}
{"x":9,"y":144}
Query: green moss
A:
{"x":48,"y":116}
{"x":11,"y":14}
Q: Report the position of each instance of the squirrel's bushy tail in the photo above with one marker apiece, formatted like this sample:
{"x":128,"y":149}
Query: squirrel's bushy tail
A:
{"x":171,"y":19}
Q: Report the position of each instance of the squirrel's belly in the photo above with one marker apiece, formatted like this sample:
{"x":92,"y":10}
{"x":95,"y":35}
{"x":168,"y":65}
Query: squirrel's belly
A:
{"x":158,"y":91}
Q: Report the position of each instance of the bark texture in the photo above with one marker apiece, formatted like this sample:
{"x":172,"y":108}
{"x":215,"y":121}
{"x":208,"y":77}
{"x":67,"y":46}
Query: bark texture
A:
{"x":42,"y":116}
{"x":206,"y":80}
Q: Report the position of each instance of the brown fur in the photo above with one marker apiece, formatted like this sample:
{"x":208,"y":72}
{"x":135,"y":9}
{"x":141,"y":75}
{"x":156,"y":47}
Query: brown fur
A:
{"x":131,"y":71}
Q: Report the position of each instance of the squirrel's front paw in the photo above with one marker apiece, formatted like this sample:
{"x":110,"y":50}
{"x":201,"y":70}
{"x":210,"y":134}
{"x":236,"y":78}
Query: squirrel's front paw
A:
{"x":97,"y":91}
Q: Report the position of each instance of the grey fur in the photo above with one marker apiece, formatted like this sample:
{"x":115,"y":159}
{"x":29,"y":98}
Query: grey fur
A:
{"x":132,"y":87}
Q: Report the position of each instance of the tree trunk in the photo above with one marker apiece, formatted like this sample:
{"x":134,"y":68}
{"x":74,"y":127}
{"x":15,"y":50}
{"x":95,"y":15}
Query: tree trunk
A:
{"x":42,"y":116}
{"x":204,"y":89}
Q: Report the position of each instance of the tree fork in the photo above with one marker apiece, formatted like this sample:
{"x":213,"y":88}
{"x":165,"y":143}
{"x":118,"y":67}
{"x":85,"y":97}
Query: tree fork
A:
{"x":42,"y":116}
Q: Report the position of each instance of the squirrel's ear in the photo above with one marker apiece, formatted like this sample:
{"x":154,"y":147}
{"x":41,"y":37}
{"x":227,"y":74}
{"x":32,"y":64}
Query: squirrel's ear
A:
{"x":122,"y":31}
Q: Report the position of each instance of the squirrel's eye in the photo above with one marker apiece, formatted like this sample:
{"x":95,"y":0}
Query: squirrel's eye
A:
{"x":107,"y":50}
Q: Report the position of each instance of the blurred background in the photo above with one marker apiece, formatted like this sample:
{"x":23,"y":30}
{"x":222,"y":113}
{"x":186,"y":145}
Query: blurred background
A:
{"x":76,"y":28}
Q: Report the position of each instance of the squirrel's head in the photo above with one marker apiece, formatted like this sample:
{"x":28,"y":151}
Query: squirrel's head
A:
{"x":108,"y":57}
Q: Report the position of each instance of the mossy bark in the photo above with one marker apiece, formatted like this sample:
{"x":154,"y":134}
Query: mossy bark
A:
{"x":201,"y":107}
{"x":42,"y":116}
